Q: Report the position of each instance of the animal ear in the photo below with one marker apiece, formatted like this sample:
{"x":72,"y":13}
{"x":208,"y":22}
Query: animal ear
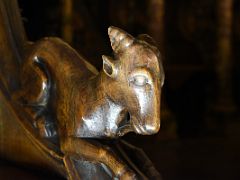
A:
{"x":148,"y":39}
{"x":109,"y":66}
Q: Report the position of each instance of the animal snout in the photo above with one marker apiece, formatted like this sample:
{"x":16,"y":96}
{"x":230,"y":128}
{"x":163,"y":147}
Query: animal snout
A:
{"x":151,"y":128}
{"x":147,"y":129}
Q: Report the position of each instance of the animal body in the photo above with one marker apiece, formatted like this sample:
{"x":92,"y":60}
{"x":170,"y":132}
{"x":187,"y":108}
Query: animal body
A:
{"x":48,"y":85}
{"x":72,"y":101}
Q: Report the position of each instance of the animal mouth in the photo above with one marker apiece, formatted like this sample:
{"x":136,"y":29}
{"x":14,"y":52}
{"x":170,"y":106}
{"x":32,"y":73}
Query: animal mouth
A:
{"x":130,"y":124}
{"x":138,"y":126}
{"x":125,"y":125}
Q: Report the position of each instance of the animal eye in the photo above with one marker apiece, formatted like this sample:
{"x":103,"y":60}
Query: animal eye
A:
{"x":140,"y":80}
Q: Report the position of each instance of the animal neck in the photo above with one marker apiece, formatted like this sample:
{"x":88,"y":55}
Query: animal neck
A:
{"x":101,"y":114}
{"x":100,"y":89}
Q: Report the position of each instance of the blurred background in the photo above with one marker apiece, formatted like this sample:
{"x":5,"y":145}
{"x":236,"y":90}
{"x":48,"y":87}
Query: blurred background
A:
{"x":199,"y":42}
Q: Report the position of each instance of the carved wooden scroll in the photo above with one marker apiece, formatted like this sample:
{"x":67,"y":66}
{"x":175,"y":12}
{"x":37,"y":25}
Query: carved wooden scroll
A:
{"x":56,"y":107}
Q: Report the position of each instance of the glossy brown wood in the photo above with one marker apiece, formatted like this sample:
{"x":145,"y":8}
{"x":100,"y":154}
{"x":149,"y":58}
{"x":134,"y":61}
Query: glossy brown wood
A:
{"x":61,"y":102}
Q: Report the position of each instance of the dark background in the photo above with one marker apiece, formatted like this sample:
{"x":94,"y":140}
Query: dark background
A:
{"x":199,"y":42}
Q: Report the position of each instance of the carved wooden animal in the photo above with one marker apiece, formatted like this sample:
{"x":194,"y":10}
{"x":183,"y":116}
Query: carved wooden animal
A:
{"x":56,"y":80}
{"x":68,"y":101}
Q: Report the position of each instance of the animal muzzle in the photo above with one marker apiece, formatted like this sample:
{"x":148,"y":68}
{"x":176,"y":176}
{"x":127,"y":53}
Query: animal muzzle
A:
{"x":149,"y":127}
{"x":145,"y":114}
{"x":147,"y":122}
{"x":152,"y":128}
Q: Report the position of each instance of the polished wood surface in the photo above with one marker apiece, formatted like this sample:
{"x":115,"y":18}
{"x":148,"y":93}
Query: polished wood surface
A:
{"x":54,"y":103}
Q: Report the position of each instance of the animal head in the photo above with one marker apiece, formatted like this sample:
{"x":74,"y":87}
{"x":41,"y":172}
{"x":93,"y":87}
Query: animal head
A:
{"x":134,"y":79}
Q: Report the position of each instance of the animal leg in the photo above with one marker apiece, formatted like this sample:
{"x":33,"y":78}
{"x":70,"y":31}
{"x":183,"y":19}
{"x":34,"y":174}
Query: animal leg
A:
{"x":81,"y":148}
{"x":71,"y":170}
{"x":146,"y":164}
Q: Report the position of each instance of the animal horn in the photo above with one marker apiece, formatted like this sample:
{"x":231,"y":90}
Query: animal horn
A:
{"x":120,"y":39}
